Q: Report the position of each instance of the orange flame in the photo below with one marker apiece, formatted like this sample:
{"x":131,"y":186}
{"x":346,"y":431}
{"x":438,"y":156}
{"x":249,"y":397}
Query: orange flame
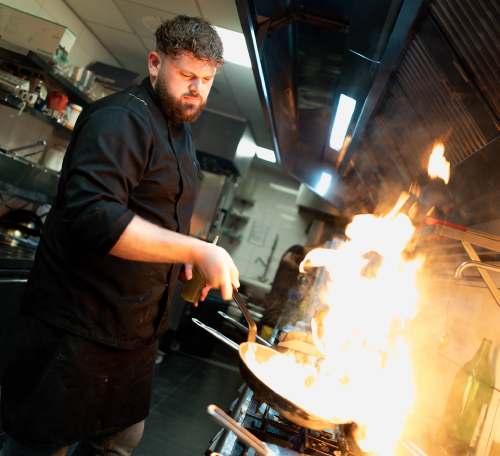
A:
{"x":438,"y":165}
{"x":365,"y":376}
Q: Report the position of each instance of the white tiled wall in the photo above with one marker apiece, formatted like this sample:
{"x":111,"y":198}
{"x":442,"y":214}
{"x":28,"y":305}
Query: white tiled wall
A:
{"x":275,"y":208}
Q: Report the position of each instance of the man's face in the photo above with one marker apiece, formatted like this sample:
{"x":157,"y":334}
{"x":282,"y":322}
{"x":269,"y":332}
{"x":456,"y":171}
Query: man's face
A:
{"x":183,"y":84}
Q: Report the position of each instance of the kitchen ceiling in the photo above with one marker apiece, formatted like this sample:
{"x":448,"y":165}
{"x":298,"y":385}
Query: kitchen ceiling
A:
{"x":120,"y":26}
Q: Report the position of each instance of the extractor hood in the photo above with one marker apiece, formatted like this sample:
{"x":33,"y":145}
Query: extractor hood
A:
{"x":421,"y":72}
{"x":305,"y":55}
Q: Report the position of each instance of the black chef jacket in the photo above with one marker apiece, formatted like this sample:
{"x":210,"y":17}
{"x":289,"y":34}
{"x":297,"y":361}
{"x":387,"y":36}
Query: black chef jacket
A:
{"x":124,"y":158}
{"x":85,"y":359}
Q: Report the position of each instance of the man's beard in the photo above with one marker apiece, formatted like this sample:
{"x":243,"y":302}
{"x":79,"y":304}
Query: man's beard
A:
{"x":175,"y":108}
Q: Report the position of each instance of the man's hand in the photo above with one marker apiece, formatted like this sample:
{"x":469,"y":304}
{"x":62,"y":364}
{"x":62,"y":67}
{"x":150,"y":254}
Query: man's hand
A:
{"x":144,"y":241}
{"x":185,"y":274}
{"x":218,"y":270}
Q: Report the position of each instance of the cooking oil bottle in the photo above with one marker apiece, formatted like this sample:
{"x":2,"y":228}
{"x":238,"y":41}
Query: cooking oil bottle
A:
{"x":467,"y":404}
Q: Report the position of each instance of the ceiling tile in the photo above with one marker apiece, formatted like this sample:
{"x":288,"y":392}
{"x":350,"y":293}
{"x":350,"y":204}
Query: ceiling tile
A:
{"x":64,"y":15}
{"x":78,"y":56}
{"x":103,"y":12}
{"x":173,"y":6}
{"x":132,"y":63}
{"x":149,"y":43}
{"x":118,"y":41}
{"x":222,"y":13}
{"x":134,"y":13}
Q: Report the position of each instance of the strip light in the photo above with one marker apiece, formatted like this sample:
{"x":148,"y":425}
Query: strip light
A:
{"x":265,"y":154}
{"x":324,"y":184}
{"x":342,"y":121}
{"x":235,"y":47}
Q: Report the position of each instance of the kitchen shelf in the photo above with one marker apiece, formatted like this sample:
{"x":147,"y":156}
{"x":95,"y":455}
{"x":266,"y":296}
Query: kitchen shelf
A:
{"x":16,"y":103}
{"x":35,"y":62}
{"x":78,"y":95}
{"x":239,"y":216}
{"x":230,"y":235}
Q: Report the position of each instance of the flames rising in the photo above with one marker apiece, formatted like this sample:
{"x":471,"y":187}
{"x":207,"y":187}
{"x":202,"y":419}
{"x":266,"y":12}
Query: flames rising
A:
{"x":438,"y":165}
{"x":366,"y":375}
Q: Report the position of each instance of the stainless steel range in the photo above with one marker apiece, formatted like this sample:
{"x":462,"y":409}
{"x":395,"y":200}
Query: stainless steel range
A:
{"x":267,"y":425}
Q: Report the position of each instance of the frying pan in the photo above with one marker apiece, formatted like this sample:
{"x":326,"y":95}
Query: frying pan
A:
{"x":274,"y":399}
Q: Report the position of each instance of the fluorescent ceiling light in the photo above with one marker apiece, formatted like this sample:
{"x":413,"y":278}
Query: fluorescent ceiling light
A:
{"x":235,"y":47}
{"x":324,"y":184}
{"x":342,"y":121}
{"x":266,"y":154}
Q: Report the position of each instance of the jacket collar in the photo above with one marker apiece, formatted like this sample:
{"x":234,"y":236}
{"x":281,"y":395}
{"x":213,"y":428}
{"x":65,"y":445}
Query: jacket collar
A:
{"x":178,"y":127}
{"x":146,"y":83}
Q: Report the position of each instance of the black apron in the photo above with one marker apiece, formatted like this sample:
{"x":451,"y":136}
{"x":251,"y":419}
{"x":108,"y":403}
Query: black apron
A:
{"x":60,"y":387}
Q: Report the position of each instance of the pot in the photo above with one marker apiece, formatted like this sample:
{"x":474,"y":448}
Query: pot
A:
{"x":20,"y":224}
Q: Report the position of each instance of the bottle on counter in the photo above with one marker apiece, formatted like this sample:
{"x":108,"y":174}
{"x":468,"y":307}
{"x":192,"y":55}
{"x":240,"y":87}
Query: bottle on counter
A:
{"x":467,"y":404}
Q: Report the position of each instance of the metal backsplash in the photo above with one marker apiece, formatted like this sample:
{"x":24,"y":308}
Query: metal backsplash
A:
{"x":445,"y":88}
{"x":473,"y":30}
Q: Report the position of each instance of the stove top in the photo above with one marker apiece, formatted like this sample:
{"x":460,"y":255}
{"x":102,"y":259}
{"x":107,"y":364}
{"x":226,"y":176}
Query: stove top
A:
{"x":267,"y":425}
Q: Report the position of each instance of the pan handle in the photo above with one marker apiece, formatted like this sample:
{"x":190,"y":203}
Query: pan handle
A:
{"x":252,"y":327}
{"x":217,"y":334}
{"x":244,"y":328}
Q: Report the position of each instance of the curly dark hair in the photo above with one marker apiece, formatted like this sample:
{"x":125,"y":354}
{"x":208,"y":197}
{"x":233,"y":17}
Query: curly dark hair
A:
{"x":185,"y":34}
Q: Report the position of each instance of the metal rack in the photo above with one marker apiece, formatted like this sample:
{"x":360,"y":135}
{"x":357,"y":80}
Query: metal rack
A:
{"x":468,"y":237}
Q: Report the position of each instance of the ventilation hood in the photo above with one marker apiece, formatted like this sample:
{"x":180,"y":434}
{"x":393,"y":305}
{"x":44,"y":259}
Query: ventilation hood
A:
{"x":304,"y":56}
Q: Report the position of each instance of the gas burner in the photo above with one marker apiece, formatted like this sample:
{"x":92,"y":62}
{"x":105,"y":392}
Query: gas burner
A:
{"x":267,"y":425}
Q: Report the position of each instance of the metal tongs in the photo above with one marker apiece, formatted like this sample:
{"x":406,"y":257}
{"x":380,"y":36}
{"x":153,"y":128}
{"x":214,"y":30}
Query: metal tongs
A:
{"x":252,"y":330}
{"x":244,"y":328}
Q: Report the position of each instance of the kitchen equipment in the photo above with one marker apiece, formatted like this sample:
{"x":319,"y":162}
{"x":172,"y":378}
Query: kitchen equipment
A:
{"x":217,"y":334}
{"x":19,"y":225}
{"x":284,"y":406}
{"x":243,"y":328}
{"x":468,"y":237}
{"x":283,"y":437}
{"x":18,"y":149}
{"x":54,"y":157}
{"x":220,"y":417}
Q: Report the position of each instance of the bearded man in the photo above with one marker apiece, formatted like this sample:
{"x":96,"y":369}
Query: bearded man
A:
{"x":113,"y":245}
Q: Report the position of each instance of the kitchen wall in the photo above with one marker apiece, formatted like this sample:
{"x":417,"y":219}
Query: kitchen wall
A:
{"x":17,"y":131}
{"x":274,"y":208}
{"x":473,"y":314}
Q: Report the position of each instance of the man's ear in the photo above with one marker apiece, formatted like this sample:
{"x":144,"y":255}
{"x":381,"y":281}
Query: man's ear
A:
{"x":154,"y":64}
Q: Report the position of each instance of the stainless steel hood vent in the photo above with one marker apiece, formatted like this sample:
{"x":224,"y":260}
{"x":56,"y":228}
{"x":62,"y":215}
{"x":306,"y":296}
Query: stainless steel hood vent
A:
{"x":224,"y":144}
{"x":420,"y":72}
{"x":304,"y":56}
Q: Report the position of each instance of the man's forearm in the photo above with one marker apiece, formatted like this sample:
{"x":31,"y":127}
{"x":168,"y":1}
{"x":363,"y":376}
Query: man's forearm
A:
{"x":144,"y":241}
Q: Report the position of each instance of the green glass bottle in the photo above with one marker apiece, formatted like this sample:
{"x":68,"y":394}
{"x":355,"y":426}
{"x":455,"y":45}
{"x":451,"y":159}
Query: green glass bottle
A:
{"x":467,"y":404}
